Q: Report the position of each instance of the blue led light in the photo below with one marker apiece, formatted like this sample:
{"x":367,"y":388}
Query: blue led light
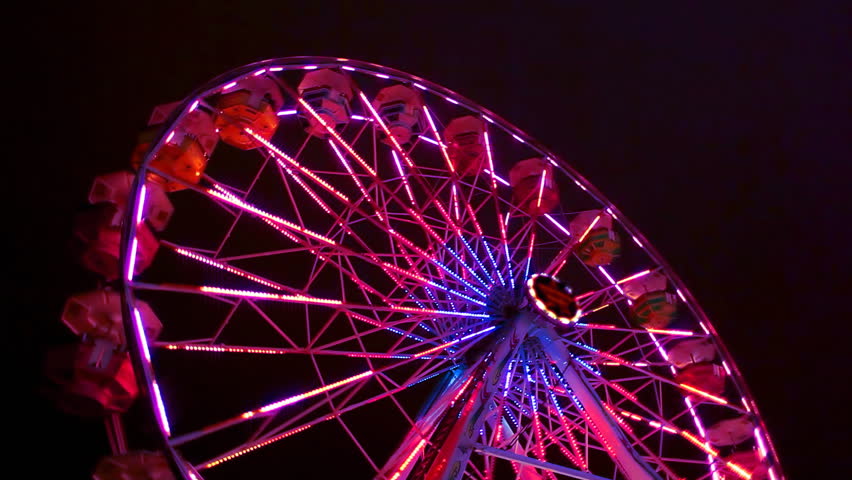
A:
{"x":509,"y":264}
{"x":425,"y":378}
{"x":475,"y":257}
{"x":493,"y":262}
{"x":457,"y":277}
{"x":464,"y":265}
{"x":406,"y":334}
{"x":511,"y":416}
{"x":586,"y":365}
{"x":592,"y":349}
{"x":550,"y":392}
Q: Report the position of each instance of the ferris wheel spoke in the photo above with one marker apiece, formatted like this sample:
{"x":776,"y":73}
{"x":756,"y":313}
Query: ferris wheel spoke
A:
{"x":285,"y":172}
{"x":639,"y":331}
{"x":339,"y":418}
{"x":223,"y":265}
{"x":265,"y":440}
{"x":521,"y":246}
{"x":221,"y":194}
{"x":385,"y":298}
{"x":291,"y":165}
{"x":538,"y":436}
{"x":457,"y":260}
{"x":351,"y":207}
{"x":263,"y":350}
{"x":594,"y":295}
{"x":403,"y":351}
{"x":425,"y":372}
{"x":272,"y":408}
{"x":501,"y":222}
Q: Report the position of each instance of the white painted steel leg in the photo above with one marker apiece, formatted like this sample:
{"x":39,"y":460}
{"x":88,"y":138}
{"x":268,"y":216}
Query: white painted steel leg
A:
{"x":452,"y":451}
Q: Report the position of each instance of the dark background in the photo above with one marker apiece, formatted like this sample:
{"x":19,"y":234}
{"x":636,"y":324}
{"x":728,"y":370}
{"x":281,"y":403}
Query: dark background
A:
{"x":722,"y":131}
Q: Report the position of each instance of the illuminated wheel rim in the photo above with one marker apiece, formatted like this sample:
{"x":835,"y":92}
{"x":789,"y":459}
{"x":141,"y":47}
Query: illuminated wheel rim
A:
{"x":359,"y":293}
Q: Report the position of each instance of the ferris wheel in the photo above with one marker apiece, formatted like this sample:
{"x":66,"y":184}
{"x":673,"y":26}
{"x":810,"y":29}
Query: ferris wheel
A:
{"x":322,"y":267}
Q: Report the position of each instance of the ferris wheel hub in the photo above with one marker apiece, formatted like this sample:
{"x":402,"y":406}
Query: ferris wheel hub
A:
{"x":553,"y":299}
{"x":505,"y":303}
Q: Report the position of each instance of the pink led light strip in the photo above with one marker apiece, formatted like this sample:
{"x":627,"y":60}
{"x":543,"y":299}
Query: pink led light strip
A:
{"x":468,"y":208}
{"x":256,"y":446}
{"x":305,"y":187}
{"x":408,"y":459}
{"x":227,"y":349}
{"x":425,"y":255}
{"x":337,"y":137}
{"x":357,"y":181}
{"x":262,"y":443}
{"x":452,"y":342}
{"x":281,"y":155}
{"x":314,"y":300}
{"x":225,"y":267}
{"x":271,"y":296}
{"x":317,"y":391}
{"x":297,"y":398}
{"x":500,"y":221}
{"x":251,"y":208}
{"x":541,"y":189}
{"x":141,"y":206}
{"x":613,"y":283}
{"x":159,"y":407}
{"x":403,"y":177}
{"x":601,"y":326}
{"x":704,"y":394}
{"x":287,"y":351}
{"x":438,"y":138}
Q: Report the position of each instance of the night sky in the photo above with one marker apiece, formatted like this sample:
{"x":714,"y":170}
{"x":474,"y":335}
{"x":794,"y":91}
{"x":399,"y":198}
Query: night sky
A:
{"x":721,"y":131}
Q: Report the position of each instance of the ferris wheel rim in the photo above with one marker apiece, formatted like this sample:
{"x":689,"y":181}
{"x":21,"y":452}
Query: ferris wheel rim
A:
{"x":129,"y":227}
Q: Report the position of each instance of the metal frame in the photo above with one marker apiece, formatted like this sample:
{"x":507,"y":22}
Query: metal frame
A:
{"x":436,"y":310}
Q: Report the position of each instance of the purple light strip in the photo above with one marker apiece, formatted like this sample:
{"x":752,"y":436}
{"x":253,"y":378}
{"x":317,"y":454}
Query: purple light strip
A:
{"x":161,"y":409}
